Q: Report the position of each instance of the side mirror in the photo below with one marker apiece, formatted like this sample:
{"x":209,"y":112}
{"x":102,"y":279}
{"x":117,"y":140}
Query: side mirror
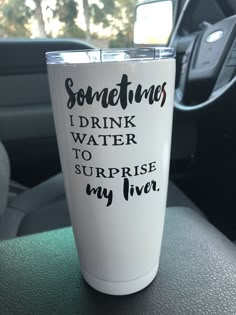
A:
{"x":153,"y":22}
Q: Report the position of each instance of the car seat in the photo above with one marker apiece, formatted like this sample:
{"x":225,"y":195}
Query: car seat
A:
{"x":44,"y":206}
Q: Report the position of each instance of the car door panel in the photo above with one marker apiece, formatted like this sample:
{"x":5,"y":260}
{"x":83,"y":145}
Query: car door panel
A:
{"x":26,"y":120}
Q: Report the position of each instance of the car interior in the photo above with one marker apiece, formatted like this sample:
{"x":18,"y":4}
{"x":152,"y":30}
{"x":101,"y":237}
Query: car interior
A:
{"x":39,"y":267}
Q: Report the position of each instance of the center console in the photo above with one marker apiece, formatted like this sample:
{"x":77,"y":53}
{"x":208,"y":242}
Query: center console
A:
{"x":40,"y":274}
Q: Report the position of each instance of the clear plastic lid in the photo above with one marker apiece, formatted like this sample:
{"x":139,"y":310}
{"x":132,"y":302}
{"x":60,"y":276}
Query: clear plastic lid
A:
{"x":109,"y":55}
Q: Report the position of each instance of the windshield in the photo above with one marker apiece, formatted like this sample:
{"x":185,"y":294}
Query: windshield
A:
{"x":102,"y":23}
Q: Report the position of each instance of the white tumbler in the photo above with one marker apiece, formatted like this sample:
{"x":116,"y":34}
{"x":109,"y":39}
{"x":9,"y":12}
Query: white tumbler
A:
{"x":113,"y":115}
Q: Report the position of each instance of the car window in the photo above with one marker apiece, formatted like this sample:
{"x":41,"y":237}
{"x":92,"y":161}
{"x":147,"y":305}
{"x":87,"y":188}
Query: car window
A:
{"x":103,"y":23}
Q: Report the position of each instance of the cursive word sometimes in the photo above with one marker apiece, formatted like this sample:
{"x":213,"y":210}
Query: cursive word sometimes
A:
{"x":122,"y":94}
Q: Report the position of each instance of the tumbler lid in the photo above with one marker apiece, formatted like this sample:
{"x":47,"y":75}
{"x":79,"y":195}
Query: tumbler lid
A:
{"x":109,"y":55}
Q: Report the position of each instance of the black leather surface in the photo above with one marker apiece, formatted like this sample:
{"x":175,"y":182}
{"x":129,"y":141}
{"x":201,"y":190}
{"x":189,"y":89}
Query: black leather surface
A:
{"x":40,"y":274}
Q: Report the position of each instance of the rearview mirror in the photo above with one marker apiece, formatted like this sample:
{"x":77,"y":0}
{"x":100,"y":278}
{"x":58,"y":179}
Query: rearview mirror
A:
{"x":153,"y":22}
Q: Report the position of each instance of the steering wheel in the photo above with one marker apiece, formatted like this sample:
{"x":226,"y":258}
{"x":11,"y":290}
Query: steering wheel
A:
{"x":208,"y":66}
